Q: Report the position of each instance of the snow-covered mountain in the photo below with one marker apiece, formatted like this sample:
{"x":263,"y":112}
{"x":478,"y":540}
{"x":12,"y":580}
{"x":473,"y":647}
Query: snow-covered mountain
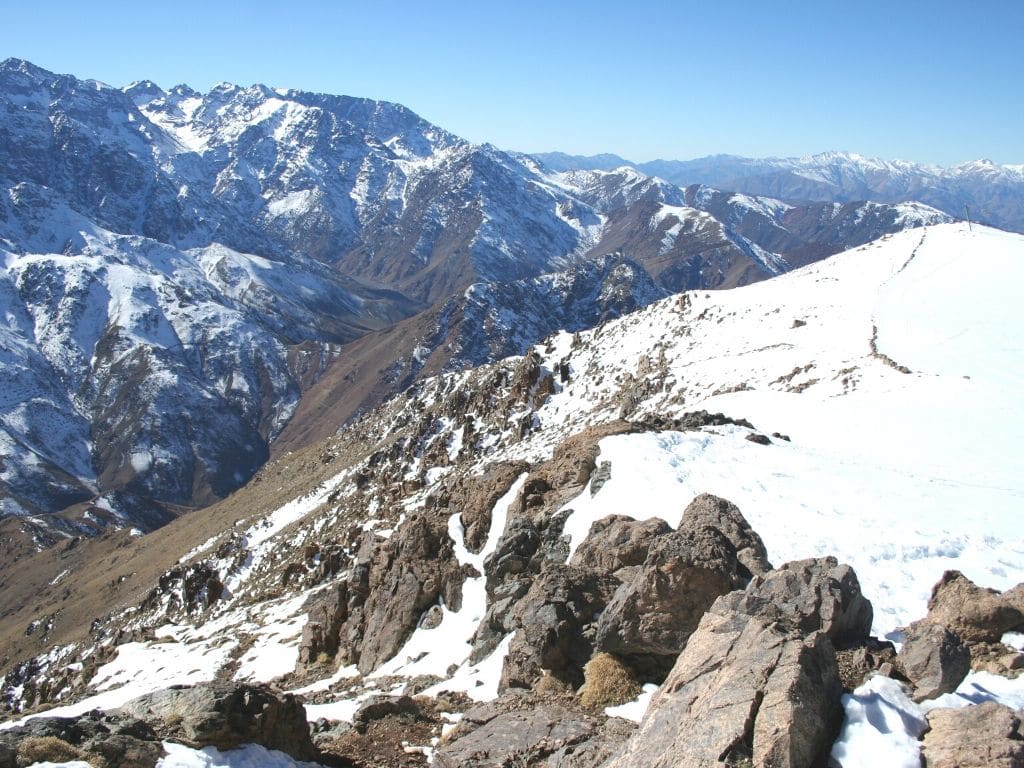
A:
{"x":994,"y":194}
{"x":866,"y":408}
{"x":179,"y":268}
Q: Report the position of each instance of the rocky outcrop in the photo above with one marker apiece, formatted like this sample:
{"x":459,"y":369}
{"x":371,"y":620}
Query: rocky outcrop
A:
{"x":554,"y":625}
{"x":934,"y":659}
{"x":113,"y":741}
{"x":758,"y":679}
{"x":392,"y":582}
{"x":976,"y":614}
{"x":983,"y":736}
{"x":715,"y":512}
{"x":226,"y":716}
{"x":616,"y":542}
{"x":648,"y":620}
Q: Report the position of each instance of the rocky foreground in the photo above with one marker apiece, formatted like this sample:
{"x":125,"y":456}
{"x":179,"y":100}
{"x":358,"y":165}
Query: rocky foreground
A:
{"x":753,"y":661}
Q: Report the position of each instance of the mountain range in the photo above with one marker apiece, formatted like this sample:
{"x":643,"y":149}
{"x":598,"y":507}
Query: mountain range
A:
{"x":195,"y":282}
{"x":986,"y":192}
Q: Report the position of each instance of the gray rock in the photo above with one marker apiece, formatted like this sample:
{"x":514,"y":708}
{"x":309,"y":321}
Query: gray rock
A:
{"x":983,"y":736}
{"x":554,"y":625}
{"x":382,"y":706}
{"x":807,"y":596}
{"x":226,"y":715}
{"x":322,"y":630}
{"x":934,"y":658}
{"x":527,"y":736}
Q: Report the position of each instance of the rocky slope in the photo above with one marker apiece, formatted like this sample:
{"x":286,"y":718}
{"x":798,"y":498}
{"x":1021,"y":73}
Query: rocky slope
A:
{"x":492,"y":533}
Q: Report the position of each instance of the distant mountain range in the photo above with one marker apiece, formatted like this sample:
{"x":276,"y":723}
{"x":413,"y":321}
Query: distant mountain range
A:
{"x":993,"y":193}
{"x":189,"y":278}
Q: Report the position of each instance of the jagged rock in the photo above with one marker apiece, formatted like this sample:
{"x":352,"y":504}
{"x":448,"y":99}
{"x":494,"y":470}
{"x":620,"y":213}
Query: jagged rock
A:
{"x":111,"y":740}
{"x":986,"y":735}
{"x":226,"y":715}
{"x":392,"y":582}
{"x":758,"y":679}
{"x":810,"y":595}
{"x":976,"y":614}
{"x":553,"y":622}
{"x":476,"y":496}
{"x":711,"y":511}
{"x":527,"y":736}
{"x":650,"y":617}
{"x":320,"y":635}
{"x":934,"y":659}
{"x":617,"y":541}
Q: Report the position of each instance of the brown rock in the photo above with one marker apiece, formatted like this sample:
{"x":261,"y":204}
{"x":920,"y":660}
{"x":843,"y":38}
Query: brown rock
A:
{"x":617,"y":541}
{"x":934,"y":659}
{"x":976,"y":614}
{"x":758,"y":680}
{"x":648,"y":620}
{"x":714,"y":512}
{"x":982,"y":736}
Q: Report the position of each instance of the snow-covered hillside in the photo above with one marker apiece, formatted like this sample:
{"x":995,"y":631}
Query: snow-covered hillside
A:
{"x":870,"y":406}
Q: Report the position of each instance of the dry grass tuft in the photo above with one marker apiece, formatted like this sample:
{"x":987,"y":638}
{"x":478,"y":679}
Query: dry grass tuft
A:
{"x":48,"y":749}
{"x":607,"y":682}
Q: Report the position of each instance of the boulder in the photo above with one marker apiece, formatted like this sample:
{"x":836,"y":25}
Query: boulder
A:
{"x":616,"y":541}
{"x":708,"y":511}
{"x":934,"y":659}
{"x":758,"y":681}
{"x":522,"y":737}
{"x":226,"y":715}
{"x":976,"y":614}
{"x":985,"y":735}
{"x":649,"y":618}
{"x":808,"y":596}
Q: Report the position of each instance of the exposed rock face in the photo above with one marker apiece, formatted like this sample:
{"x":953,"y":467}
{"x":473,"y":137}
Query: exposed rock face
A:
{"x":554,"y":623}
{"x":650,"y":617}
{"x":974,"y":613}
{"x":226,"y":715}
{"x":986,"y":735}
{"x":549,"y":734}
{"x":391,"y":584}
{"x":617,"y":542}
{"x":934,"y":658}
{"x":758,"y":679}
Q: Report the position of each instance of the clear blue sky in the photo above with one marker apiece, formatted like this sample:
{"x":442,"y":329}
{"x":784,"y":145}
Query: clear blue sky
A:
{"x":937,"y":81}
